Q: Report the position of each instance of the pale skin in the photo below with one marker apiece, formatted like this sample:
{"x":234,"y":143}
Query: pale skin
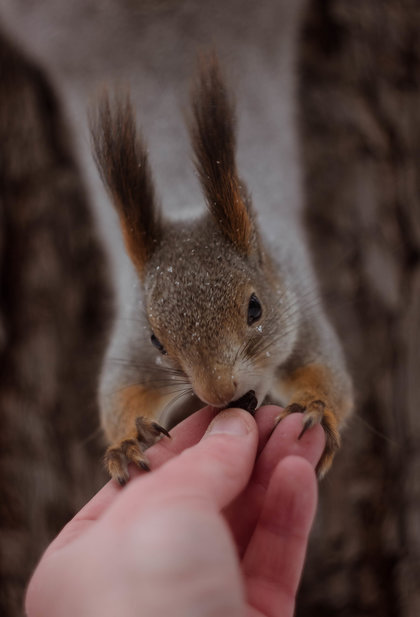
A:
{"x":218,"y":528}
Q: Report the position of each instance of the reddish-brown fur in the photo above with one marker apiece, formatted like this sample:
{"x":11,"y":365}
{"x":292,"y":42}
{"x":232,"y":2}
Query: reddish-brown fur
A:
{"x":131,"y":429}
{"x":122,"y":159}
{"x":314,"y":393}
{"x":213,"y":133}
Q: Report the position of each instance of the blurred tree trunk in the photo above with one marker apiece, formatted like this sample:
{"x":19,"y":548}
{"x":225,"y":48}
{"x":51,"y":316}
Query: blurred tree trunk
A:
{"x":360,"y":114}
{"x":54,"y":306}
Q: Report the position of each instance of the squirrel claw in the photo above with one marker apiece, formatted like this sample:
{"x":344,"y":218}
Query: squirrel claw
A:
{"x":144,"y":465}
{"x":332,"y":444}
{"x":312,"y":414}
{"x":292,"y":408}
{"x":148,"y":431}
{"x":116,"y":464}
{"x":307,"y":424}
{"x":161,"y":429}
{"x":317,"y":412}
{"x":131,"y":450}
{"x":118,"y":457}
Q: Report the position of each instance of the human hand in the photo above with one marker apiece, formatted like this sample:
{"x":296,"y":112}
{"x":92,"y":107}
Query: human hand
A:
{"x":162,"y":545}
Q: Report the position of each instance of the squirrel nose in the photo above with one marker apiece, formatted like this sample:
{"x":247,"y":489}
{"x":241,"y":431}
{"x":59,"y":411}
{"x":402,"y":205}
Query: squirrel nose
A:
{"x":218,"y":391}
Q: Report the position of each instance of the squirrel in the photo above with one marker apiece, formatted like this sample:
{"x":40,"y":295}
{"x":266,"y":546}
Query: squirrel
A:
{"x":221,"y":316}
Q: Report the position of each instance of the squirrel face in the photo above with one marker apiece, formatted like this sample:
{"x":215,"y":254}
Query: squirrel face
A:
{"x":215,"y":314}
{"x":215,"y":304}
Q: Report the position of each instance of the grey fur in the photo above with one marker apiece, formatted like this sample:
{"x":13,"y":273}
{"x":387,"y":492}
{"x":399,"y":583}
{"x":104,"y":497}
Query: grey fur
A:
{"x":197,"y":281}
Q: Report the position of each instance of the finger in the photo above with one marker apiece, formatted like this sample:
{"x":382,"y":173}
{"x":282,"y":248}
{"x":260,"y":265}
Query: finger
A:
{"x":265,"y":418}
{"x":285,"y":441}
{"x":243,"y":513}
{"x":274,"y":559}
{"x":183,"y":436}
{"x":209,"y":474}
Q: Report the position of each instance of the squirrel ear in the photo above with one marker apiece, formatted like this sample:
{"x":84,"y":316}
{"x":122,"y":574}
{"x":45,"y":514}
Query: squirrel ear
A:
{"x":213,"y":134}
{"x":121,"y":157}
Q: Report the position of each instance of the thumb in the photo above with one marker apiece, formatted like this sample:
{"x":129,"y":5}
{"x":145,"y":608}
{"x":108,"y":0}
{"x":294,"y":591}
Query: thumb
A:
{"x":213,"y":472}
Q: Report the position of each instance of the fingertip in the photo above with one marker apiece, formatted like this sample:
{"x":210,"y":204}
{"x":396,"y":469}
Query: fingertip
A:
{"x":233,"y":421}
{"x":295,"y":423}
{"x":313,"y":439}
{"x":184,"y":435}
{"x":310,"y":444}
{"x":213,"y":470}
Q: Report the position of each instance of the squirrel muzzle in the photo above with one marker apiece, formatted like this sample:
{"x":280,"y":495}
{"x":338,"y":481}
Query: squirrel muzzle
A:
{"x":215,"y":387}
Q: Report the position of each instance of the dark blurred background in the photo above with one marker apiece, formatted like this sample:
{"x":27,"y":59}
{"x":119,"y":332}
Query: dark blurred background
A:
{"x":337,"y":81}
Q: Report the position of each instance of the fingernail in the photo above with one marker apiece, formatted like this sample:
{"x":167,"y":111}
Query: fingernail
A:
{"x":230,"y":423}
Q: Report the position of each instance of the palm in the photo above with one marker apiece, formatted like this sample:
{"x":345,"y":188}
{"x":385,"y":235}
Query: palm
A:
{"x":270,"y":540}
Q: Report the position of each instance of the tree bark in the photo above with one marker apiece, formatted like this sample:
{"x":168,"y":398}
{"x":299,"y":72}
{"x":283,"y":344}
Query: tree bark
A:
{"x":359,"y":104}
{"x":54,"y":306}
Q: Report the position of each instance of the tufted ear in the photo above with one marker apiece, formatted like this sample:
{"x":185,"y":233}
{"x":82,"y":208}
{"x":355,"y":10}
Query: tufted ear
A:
{"x":121,"y":157}
{"x":213,"y":134}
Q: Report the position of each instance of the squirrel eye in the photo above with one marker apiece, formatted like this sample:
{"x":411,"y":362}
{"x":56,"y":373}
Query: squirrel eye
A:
{"x":254,"y":310}
{"x":156,"y":342}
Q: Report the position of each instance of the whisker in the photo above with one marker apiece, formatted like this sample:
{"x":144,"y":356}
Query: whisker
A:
{"x":135,"y":319}
{"x":150,"y":367}
{"x":179,"y":396}
{"x":375,"y":431}
{"x":169,"y":386}
{"x":94,"y":435}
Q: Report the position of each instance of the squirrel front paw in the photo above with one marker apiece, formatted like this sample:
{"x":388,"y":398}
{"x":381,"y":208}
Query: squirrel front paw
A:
{"x":317,"y":412}
{"x":131,"y":450}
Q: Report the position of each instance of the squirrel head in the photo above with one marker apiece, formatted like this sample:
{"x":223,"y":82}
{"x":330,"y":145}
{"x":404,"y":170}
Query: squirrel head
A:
{"x":215,"y":302}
